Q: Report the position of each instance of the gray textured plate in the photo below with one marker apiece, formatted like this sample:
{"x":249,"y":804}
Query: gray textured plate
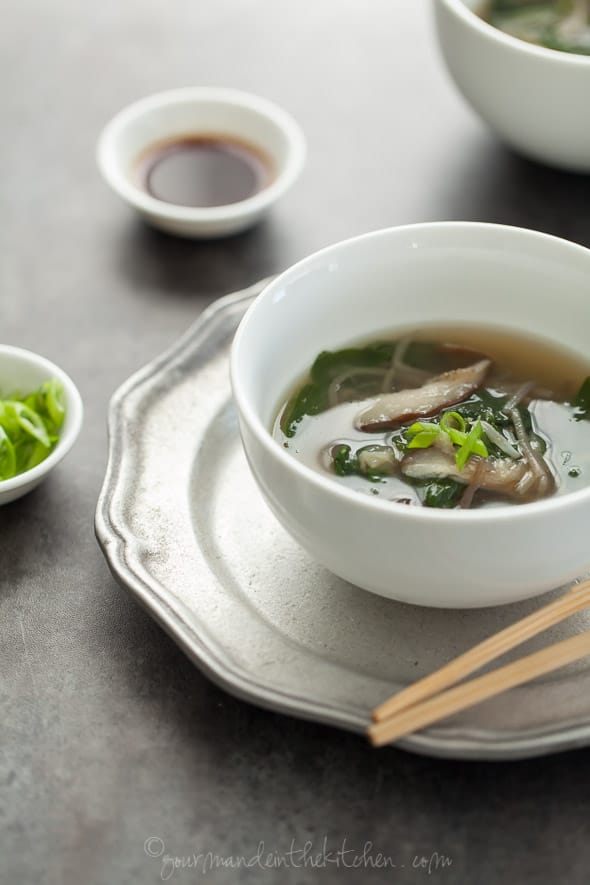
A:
{"x":182,"y":526}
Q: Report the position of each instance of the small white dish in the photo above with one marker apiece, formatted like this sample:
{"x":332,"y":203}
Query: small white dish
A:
{"x":200,"y":112}
{"x":24,"y":371}
{"x":536,"y":99}
{"x":407,"y":277}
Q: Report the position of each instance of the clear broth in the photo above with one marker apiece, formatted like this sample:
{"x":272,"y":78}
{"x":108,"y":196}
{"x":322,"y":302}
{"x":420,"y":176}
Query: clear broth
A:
{"x":517,"y":359}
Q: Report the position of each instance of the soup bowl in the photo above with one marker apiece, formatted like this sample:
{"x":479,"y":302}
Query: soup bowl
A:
{"x":536,"y":99}
{"x":443,"y":273}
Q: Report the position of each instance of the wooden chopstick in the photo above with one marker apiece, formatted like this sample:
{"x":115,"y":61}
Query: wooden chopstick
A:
{"x":480,"y":689}
{"x":574,"y":600}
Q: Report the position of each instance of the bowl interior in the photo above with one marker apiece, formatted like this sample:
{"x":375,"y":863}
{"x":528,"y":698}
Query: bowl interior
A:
{"x":405,"y":278}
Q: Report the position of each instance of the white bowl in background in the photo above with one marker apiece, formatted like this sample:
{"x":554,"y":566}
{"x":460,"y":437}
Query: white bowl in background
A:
{"x":24,"y":371}
{"x":474,"y":274}
{"x":200,"y":111}
{"x":536,"y":99}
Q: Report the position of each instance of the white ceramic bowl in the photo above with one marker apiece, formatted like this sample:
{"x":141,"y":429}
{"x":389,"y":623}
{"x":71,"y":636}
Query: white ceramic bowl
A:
{"x":24,"y":371}
{"x":536,"y":99}
{"x":200,"y":111}
{"x":408,"y":276}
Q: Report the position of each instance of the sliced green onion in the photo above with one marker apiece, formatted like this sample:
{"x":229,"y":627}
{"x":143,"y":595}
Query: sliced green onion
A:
{"x":423,"y":434}
{"x":419,"y":426}
{"x":458,"y":438}
{"x":30,"y":421}
{"x":453,"y":421}
{"x":7,"y":456}
{"x":469,"y":446}
{"x":53,"y":394}
{"x":37,"y":453}
{"x":29,"y":427}
{"x":423,"y":439}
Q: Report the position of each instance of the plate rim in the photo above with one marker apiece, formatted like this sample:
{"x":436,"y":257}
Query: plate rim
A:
{"x":120,"y":549}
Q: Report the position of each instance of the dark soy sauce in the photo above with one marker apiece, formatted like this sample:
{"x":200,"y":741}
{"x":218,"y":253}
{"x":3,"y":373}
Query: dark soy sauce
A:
{"x":204,"y":171}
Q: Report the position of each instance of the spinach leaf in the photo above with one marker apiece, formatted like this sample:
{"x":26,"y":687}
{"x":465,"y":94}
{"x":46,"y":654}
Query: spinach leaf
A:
{"x":486,"y":405}
{"x":312,"y":398}
{"x":332,"y":363}
{"x":309,"y":400}
{"x":443,"y":493}
{"x":582,"y":402}
{"x":344,"y":465}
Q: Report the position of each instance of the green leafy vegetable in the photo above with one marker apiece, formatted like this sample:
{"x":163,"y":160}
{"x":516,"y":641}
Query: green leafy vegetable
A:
{"x":444,"y":493}
{"x":29,"y":428}
{"x":310,"y":400}
{"x":344,"y":465}
{"x":486,"y":404}
{"x":329,"y":366}
{"x":582,"y":402}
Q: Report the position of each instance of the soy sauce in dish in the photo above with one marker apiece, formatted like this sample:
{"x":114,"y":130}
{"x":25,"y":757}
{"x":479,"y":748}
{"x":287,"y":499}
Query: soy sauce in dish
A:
{"x":204,"y":171}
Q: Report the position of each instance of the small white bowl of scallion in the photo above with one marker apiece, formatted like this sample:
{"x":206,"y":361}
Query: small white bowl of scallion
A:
{"x":40,"y":419}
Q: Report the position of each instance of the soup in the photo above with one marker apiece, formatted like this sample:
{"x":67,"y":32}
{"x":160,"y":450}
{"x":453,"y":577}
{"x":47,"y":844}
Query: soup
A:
{"x":556,"y":24}
{"x":449,"y":418}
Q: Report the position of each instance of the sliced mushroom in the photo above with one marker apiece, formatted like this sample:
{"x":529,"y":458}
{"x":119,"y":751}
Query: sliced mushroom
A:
{"x":503,"y":476}
{"x":378,"y":459}
{"x":391,"y":410}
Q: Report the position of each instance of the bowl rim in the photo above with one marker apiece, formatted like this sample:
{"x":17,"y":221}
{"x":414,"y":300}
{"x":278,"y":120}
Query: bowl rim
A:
{"x":116,"y":177}
{"x":532,"y":511}
{"x":488,"y":31}
{"x":75,"y":413}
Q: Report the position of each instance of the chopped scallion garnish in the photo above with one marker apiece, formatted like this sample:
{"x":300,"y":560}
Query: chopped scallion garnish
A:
{"x":453,"y":421}
{"x":423,"y":434}
{"x":469,"y":446}
{"x":29,"y":428}
{"x":423,"y":439}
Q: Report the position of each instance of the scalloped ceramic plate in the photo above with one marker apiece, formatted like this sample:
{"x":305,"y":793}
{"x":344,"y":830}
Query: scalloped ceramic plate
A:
{"x":184,"y":528}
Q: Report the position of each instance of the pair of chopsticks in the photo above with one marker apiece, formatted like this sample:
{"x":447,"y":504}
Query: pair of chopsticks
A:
{"x":432,"y":698}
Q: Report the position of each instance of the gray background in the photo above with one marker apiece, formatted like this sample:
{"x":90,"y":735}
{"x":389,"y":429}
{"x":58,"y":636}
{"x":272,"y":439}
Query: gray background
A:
{"x":108,"y":734}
